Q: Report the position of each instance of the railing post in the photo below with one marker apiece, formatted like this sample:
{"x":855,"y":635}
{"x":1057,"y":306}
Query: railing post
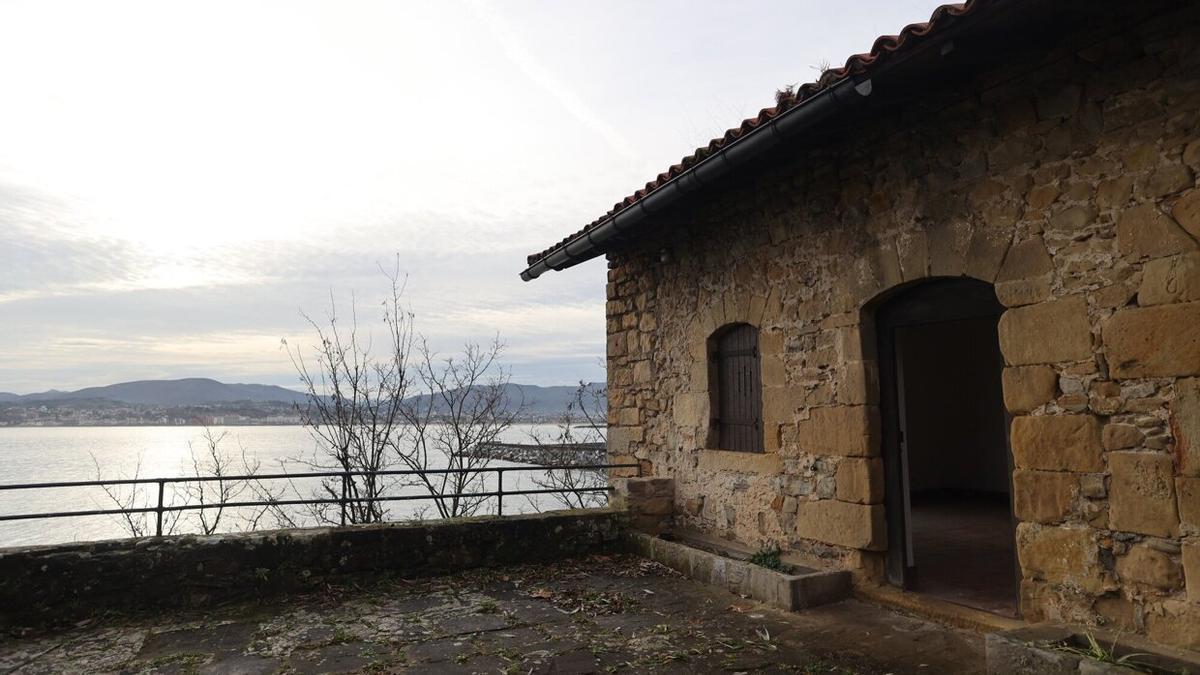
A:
{"x":342,"y":501}
{"x":499,"y":492}
{"x":162,"y":484}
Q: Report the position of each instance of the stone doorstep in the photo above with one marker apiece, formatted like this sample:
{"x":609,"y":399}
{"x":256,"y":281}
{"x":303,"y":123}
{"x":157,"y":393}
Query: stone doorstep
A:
{"x":935,"y":609}
{"x":807,"y":588}
{"x":1026,"y":650}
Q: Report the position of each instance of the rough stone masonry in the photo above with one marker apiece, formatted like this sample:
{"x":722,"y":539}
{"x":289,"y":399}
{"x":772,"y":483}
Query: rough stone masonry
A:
{"x":1068,"y":179}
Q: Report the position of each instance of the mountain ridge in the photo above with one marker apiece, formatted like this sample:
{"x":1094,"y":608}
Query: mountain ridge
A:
{"x":202,"y":390}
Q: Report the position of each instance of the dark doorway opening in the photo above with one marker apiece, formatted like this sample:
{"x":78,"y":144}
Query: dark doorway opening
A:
{"x":946,"y":454}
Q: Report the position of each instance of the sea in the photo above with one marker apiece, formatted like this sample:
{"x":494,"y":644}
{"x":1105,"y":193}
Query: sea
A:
{"x":61,"y":454}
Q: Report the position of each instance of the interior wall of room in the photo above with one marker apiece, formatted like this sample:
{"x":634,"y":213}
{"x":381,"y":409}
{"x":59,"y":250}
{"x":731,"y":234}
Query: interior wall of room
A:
{"x":954,"y":406}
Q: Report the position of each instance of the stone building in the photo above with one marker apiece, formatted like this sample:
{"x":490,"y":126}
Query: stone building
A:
{"x":935,"y":318}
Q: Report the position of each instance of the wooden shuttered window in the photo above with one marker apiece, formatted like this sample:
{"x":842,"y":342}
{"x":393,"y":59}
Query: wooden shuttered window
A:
{"x":737,"y":379}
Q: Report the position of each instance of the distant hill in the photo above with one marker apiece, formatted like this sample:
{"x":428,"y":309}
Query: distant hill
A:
{"x":537,"y":401}
{"x":188,"y":391}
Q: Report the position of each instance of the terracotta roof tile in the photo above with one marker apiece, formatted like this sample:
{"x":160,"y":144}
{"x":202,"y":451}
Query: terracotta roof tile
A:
{"x":858,"y":64}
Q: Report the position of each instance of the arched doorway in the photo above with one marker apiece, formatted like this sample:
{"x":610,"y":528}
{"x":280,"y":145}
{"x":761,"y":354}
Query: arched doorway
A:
{"x":945,"y":439}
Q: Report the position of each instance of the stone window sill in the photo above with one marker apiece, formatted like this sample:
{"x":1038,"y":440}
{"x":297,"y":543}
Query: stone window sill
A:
{"x":745,"y":462}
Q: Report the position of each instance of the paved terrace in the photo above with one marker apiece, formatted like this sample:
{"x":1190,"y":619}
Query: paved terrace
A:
{"x":611,"y":613}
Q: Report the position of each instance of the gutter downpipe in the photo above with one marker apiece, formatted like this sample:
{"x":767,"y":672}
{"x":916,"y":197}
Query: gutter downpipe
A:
{"x":735,"y":155}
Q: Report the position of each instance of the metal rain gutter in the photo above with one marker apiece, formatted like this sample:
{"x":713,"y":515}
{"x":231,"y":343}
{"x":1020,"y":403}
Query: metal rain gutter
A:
{"x":742,"y":151}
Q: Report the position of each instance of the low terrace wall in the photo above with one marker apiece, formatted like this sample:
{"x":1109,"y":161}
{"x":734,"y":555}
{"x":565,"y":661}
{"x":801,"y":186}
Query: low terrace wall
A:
{"x":49,"y":585}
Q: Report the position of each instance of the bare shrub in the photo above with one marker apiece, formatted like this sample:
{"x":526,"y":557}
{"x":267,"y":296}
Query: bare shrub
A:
{"x":130,"y":496}
{"x":582,"y":422}
{"x":352,"y":406}
{"x":463,"y":406}
{"x":213,"y":461}
{"x":400,"y":407}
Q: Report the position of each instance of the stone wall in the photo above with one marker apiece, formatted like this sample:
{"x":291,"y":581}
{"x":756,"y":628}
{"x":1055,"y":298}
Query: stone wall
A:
{"x":649,"y":503}
{"x":1068,"y":180}
{"x":59,"y":584}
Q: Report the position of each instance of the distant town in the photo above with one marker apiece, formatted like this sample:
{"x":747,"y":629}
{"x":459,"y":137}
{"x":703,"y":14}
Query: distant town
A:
{"x":104,"y":413}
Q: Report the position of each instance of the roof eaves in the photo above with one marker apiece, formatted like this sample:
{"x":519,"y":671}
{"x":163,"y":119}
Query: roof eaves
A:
{"x":856,"y":66}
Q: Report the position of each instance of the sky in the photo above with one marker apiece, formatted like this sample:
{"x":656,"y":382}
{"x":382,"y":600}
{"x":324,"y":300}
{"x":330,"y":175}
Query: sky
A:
{"x":180,"y":180}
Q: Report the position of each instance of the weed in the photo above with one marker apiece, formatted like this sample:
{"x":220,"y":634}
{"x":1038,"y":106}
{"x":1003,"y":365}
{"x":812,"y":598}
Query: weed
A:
{"x":341,"y":636}
{"x":1098,"y":652}
{"x":768,"y":558}
{"x":487,"y":606}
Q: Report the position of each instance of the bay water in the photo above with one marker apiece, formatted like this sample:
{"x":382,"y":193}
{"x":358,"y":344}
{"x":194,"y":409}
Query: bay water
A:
{"x":51,"y":454}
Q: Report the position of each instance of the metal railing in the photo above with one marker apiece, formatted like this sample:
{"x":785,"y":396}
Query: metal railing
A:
{"x":162,"y":508}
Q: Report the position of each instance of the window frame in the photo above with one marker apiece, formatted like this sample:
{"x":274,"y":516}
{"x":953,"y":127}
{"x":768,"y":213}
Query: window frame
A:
{"x":729,"y":361}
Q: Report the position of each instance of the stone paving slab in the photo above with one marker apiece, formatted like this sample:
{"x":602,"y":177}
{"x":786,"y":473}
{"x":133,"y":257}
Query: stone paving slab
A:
{"x":603,"y":614}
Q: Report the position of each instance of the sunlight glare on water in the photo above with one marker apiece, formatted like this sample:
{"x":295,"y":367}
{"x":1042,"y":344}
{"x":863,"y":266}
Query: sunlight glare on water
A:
{"x":51,"y":454}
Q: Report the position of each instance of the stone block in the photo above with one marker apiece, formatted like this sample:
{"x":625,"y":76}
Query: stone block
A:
{"x":860,"y":480}
{"x":691,"y":409}
{"x":649,"y":500}
{"x":1187,"y":212}
{"x":1092,"y":486}
{"x":1160,"y":341}
{"x":986,"y":251}
{"x":1060,"y":555}
{"x":850,"y":344}
{"x":765,"y":463}
{"x":1185,"y":425}
{"x":1027,"y":387}
{"x":1071,"y":220}
{"x":771,"y":343}
{"x":843,"y":524}
{"x":1145,"y":232}
{"x":1191,"y":569}
{"x":1043,"y":496}
{"x":1121,"y":436}
{"x":1142,"y":494}
{"x":779,"y":404}
{"x":1027,"y":258}
{"x":629,"y":417}
{"x":1191,"y":155}
{"x":1042,"y":196}
{"x":1114,"y":192}
{"x":947,"y":243}
{"x":913,"y":251}
{"x":774,"y":373}
{"x":1150,"y":567}
{"x":620,"y":438}
{"x":849,"y":431}
{"x":1057,"y":443}
{"x":1113,"y":295}
{"x":1176,"y":623}
{"x":858,"y":384}
{"x":1024,"y":278}
{"x":1047,"y":332}
{"x":1187,"y":493}
{"x":1166,"y":180}
{"x":1173,"y":279}
{"x":1023,"y":291}
{"x":642,"y":373}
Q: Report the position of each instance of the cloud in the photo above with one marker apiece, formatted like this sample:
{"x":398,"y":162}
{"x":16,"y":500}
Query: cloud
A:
{"x":171,"y":198}
{"x":42,"y":250}
{"x":566,"y":95}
